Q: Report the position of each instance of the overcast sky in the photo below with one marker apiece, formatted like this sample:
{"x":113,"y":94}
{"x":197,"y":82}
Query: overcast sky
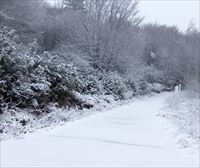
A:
{"x":171,"y":12}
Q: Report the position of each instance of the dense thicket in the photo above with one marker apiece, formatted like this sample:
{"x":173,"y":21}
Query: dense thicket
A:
{"x":88,"y":47}
{"x":174,"y":52}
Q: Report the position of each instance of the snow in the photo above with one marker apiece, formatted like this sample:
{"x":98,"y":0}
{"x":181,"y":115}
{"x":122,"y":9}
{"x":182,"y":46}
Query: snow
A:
{"x":129,"y":136}
{"x":11,"y":120}
{"x":182,"y":109}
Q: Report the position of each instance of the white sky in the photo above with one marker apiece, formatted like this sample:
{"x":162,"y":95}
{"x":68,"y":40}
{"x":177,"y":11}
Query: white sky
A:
{"x":171,"y":12}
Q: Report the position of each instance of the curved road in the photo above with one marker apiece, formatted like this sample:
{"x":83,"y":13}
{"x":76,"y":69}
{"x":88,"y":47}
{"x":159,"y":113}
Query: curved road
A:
{"x":128,"y":136}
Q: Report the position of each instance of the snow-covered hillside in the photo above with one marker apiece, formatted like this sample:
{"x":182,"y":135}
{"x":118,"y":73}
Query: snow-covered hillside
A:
{"x":132,"y":135}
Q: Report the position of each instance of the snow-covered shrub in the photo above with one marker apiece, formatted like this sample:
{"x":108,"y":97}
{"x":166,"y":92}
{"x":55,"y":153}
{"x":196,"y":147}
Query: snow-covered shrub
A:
{"x":116,"y":85}
{"x":153,"y":75}
{"x":33,"y":80}
{"x":145,"y":87}
{"x":92,"y":84}
{"x":150,"y":79}
{"x":15,"y":122}
{"x":156,"y":87}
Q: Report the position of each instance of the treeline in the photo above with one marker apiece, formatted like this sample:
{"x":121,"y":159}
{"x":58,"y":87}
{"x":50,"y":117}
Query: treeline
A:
{"x":89,"y":47}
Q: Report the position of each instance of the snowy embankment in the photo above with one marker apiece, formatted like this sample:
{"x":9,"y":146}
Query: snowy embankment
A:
{"x":183,"y":110}
{"x":17,"y":122}
{"x":129,"y":136}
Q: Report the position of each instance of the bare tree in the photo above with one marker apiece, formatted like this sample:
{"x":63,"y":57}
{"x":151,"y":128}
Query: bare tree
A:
{"x":105,"y":25}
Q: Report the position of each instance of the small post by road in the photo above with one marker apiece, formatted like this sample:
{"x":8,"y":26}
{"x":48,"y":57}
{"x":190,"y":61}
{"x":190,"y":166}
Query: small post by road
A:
{"x":178,"y":88}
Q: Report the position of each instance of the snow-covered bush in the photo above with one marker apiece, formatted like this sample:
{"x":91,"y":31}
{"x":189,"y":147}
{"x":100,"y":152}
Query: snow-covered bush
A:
{"x":92,"y":83}
{"x":145,"y":87}
{"x":33,"y":80}
{"x":116,"y":85}
{"x":150,"y":79}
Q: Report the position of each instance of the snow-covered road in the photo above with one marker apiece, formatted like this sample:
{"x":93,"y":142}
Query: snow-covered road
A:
{"x":128,"y":136}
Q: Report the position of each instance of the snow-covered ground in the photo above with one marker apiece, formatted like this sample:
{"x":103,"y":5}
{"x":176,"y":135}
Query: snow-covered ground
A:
{"x":182,"y":109}
{"x":129,"y":136}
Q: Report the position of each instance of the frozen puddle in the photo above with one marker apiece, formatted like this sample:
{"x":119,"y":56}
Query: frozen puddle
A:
{"x":129,"y":136}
